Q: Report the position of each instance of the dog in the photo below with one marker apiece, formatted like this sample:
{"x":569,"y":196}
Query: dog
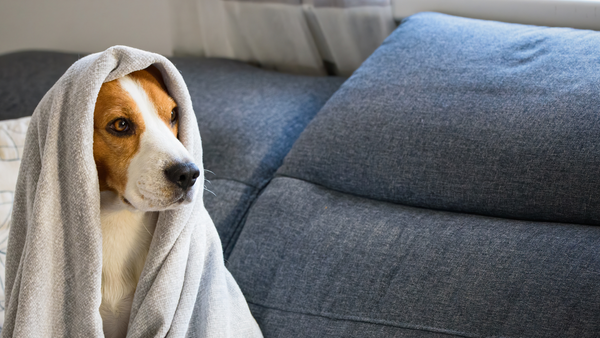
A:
{"x":142,"y":168}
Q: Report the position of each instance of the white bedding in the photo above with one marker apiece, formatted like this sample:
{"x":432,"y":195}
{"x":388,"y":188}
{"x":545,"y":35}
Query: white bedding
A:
{"x":12,"y":140}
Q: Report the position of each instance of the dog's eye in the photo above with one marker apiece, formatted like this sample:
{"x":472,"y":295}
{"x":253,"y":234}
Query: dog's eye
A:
{"x":173,"y":116}
{"x":121,"y":125}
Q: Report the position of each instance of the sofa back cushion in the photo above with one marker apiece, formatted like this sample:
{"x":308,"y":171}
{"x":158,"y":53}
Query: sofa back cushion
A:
{"x":249,"y":118}
{"x":466,"y":115}
{"x":25,"y":77}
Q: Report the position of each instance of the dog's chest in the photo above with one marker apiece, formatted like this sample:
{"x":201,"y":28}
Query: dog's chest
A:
{"x":126,"y":238}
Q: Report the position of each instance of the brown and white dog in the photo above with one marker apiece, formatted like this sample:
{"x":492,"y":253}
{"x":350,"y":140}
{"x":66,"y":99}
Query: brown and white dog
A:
{"x":142,"y":169}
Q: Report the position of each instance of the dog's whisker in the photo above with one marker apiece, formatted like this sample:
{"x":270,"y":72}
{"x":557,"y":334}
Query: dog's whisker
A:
{"x":147,"y":229}
{"x":210,"y":191}
{"x":209,"y":171}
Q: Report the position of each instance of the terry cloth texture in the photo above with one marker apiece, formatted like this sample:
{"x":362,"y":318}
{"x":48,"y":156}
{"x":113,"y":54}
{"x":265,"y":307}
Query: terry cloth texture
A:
{"x":466,"y":115}
{"x":318,"y":263}
{"x":55,"y":248}
{"x":249,"y":119}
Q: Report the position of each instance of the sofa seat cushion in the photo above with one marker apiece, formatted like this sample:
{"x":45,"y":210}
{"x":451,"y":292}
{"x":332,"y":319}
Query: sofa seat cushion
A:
{"x":314,"y":262}
{"x":466,"y":115}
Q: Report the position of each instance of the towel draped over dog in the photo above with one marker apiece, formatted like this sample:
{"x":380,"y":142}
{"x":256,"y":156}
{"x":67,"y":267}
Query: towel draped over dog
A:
{"x":54,"y":262}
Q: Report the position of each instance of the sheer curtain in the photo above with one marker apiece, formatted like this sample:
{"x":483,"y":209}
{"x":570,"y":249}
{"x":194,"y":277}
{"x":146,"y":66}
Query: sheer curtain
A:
{"x":314,"y":37}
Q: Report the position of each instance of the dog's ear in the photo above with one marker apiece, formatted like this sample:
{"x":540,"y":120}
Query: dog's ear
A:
{"x":157,"y":75}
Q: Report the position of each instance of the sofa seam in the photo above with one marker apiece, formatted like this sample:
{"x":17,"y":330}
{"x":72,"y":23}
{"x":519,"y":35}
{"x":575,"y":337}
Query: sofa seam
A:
{"x":279,"y":175}
{"x":241,"y":223}
{"x":356,"y":319}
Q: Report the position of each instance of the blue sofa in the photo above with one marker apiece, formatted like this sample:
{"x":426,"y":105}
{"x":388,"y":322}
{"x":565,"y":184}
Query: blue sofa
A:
{"x":448,"y":188}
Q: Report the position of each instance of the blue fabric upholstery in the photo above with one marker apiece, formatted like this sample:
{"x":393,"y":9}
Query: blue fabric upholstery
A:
{"x":309,"y":256}
{"x":466,"y":115}
{"x":412,"y":204}
{"x":25,"y":77}
{"x":249,"y":119}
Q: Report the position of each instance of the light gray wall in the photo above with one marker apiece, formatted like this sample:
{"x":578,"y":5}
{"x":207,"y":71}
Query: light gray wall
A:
{"x":85,"y":26}
{"x":88,"y":26}
{"x":583,"y":14}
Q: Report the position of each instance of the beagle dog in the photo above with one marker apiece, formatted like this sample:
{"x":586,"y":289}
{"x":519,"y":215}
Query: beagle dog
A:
{"x":142,"y":169}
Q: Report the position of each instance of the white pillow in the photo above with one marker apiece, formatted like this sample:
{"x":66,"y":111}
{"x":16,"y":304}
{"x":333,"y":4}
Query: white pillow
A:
{"x":12,"y":140}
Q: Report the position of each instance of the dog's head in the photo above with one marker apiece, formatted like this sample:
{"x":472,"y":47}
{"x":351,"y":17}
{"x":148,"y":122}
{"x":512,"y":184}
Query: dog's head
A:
{"x":137,"y":153}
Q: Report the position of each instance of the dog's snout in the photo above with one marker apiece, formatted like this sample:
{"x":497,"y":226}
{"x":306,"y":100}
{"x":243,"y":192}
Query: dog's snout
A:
{"x":184,"y":175}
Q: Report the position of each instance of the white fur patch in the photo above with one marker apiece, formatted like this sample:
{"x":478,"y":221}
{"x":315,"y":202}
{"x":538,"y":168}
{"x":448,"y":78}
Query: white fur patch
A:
{"x":126,"y":237}
{"x":147,"y":186}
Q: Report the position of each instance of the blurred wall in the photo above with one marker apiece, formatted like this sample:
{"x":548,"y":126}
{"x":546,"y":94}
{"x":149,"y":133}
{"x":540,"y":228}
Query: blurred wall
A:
{"x":85,"y":26}
{"x":582,"y":14}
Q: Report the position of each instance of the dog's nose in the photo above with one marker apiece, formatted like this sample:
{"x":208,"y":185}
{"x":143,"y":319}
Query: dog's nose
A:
{"x":184,"y":175}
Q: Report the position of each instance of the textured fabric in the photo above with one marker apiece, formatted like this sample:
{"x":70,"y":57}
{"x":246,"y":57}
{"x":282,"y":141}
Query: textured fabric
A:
{"x":466,"y":115}
{"x":249,"y":119}
{"x":54,"y":259}
{"x":25,"y":77}
{"x":227,"y":202}
{"x":276,"y":323}
{"x":12,"y":141}
{"x":309,"y":256}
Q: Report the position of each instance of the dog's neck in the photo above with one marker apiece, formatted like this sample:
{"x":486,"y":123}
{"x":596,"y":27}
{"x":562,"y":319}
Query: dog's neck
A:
{"x":126,"y":237}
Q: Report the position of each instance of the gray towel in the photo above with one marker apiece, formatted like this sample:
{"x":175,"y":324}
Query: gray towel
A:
{"x":54,"y":261}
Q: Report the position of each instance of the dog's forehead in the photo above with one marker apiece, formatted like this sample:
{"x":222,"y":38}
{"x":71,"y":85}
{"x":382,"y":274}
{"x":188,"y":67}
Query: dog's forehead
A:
{"x":153,"y":86}
{"x":113,"y":98}
{"x":149,"y":98}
